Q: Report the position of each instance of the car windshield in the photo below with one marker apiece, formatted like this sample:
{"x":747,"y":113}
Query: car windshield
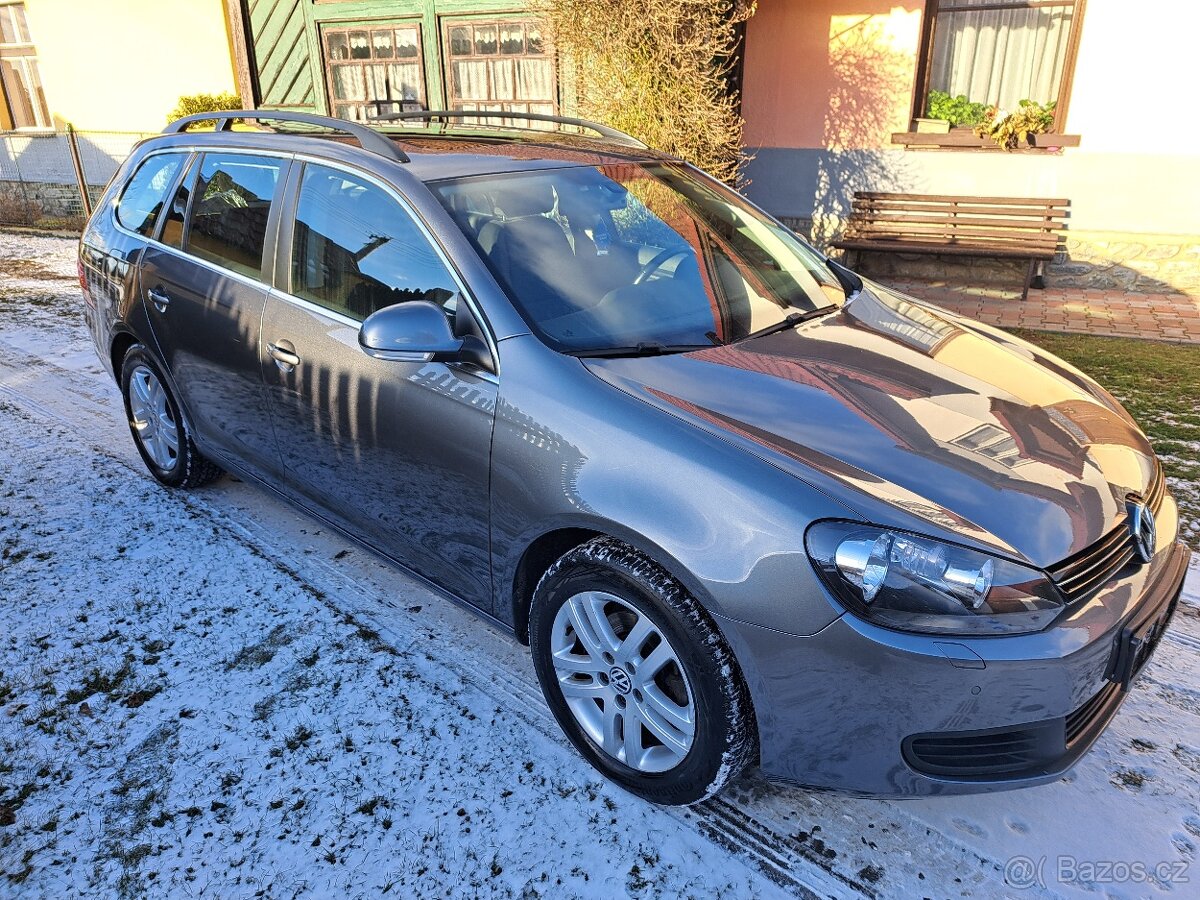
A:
{"x":648,"y":256}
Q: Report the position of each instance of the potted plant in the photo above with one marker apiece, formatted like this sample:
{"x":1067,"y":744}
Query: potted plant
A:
{"x":1011,"y":130}
{"x":944,"y":112}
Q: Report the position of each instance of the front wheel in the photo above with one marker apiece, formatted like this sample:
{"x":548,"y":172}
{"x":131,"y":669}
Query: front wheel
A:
{"x":638,"y":675}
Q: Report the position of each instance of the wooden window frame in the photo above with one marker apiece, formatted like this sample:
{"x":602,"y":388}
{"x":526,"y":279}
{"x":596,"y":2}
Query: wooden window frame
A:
{"x":498,"y":19}
{"x":21,"y":54}
{"x":326,"y":28}
{"x":925,"y":52}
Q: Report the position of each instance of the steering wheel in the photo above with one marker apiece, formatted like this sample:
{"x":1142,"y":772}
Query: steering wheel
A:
{"x":659,"y":260}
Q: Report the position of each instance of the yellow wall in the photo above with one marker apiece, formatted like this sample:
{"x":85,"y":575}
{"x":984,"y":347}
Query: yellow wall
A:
{"x":121,"y":65}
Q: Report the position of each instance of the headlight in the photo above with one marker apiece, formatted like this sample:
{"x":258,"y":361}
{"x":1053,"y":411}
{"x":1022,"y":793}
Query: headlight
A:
{"x":915,"y":583}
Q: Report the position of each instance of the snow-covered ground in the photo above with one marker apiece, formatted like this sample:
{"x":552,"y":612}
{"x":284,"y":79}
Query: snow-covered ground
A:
{"x":210,"y":695}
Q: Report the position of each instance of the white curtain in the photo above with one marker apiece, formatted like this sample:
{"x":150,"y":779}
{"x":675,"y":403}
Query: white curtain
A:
{"x":470,"y":79}
{"x":1000,"y":56}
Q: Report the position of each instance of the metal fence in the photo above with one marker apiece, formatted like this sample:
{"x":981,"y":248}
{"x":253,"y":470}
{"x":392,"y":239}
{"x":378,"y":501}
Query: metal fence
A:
{"x":43,"y":175}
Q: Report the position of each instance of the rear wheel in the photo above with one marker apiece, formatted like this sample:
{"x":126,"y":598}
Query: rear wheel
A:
{"x":638,"y":675}
{"x":158,"y":428}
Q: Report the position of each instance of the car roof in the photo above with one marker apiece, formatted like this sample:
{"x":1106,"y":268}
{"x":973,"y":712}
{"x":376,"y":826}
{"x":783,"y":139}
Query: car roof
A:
{"x":431,"y":156}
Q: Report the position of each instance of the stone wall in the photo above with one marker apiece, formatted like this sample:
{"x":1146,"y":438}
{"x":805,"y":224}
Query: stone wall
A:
{"x":37,"y":176}
{"x":43,"y":204}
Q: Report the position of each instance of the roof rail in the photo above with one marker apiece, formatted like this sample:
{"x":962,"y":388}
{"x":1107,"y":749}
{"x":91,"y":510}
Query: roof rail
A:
{"x":612,"y":134}
{"x":367,"y":138}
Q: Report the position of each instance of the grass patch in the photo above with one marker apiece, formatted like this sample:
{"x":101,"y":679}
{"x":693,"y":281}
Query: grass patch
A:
{"x":1160,"y":386}
{"x":262,"y":652}
{"x":99,"y":681}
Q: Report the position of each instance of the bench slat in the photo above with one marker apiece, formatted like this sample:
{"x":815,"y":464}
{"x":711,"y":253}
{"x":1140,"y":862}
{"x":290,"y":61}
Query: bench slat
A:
{"x":947,"y":248}
{"x":981,"y":236}
{"x":1018,"y":213}
{"x":1034,"y":226}
{"x":950,"y":198}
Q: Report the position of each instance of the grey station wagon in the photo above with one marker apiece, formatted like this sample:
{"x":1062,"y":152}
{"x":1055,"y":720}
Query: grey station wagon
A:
{"x":746,"y":507}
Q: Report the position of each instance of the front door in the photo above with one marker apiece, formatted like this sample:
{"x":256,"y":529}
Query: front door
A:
{"x":396,"y":452}
{"x":203,"y":293}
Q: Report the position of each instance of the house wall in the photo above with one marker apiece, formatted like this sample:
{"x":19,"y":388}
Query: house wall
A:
{"x":827,"y":81}
{"x":122,"y":65}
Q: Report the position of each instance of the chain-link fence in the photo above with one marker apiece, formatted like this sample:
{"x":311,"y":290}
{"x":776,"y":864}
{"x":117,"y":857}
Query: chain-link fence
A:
{"x":42,"y":177}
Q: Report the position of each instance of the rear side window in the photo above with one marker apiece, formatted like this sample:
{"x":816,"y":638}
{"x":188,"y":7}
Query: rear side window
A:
{"x":229,"y":213}
{"x":172,"y":227}
{"x":146,"y":191}
{"x":356,"y":250}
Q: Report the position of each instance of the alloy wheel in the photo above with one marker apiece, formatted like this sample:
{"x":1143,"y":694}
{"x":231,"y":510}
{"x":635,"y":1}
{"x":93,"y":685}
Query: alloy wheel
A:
{"x":151,"y":417}
{"x":623,"y":681}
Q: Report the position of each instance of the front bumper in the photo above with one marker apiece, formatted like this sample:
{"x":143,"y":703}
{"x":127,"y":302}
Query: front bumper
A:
{"x":861,"y":709}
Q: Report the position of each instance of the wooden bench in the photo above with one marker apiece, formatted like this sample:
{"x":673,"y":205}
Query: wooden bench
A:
{"x":1002,"y":227}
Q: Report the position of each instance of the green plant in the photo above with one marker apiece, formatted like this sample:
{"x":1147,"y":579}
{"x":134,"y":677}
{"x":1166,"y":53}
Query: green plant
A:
{"x":191,"y":104}
{"x":1012,"y":129}
{"x":955,"y":110}
{"x":657,"y":69}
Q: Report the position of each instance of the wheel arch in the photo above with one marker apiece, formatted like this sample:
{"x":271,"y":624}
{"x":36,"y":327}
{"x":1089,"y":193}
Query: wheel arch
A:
{"x":547,"y":547}
{"x":118,"y":348}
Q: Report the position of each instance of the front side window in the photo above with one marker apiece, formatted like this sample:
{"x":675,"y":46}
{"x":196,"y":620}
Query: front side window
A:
{"x":143,"y":197}
{"x":633,"y":254}
{"x":229,"y":214}
{"x":997,"y":53}
{"x":356,"y":250}
{"x":20,"y":81}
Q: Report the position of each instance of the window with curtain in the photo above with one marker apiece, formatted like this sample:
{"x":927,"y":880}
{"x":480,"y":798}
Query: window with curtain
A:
{"x":20,"y":82}
{"x":999,"y":52}
{"x":499,"y":65}
{"x":374,"y":69}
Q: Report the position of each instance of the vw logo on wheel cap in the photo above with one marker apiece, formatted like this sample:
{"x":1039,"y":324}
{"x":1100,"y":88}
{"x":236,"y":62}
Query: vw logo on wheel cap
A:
{"x":620,"y":680}
{"x":1141,"y":529}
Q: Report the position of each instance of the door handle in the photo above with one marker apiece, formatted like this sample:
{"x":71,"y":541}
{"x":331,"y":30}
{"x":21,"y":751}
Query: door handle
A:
{"x":284,"y":358}
{"x":159,"y":298}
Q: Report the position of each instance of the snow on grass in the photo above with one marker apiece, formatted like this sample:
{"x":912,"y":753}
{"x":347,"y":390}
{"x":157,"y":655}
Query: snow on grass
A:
{"x":179,"y":714}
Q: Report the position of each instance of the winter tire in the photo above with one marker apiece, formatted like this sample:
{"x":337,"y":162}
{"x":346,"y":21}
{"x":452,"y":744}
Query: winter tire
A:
{"x":638,"y":675}
{"x":159,"y":430}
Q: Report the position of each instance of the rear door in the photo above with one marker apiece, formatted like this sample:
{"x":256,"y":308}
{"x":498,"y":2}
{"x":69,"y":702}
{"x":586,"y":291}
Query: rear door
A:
{"x":202,"y":284}
{"x":396,"y":452}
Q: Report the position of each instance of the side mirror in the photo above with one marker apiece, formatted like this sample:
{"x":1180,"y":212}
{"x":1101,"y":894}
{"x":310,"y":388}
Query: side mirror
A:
{"x":417,"y":331}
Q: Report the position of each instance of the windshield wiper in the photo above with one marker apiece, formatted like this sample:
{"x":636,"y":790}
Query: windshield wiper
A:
{"x":642,"y":349}
{"x":791,"y":320}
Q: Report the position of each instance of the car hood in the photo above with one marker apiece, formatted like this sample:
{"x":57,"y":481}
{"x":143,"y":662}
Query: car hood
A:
{"x":914,"y":418}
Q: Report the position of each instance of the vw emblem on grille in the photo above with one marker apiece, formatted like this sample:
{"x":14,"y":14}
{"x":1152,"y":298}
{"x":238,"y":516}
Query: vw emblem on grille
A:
{"x":1141,"y":529}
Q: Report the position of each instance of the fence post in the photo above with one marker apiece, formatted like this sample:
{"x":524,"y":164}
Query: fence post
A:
{"x":77,"y":162}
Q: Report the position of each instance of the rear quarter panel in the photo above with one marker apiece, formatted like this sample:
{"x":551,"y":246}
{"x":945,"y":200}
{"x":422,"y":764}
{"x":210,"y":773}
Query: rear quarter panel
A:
{"x":108,"y":257}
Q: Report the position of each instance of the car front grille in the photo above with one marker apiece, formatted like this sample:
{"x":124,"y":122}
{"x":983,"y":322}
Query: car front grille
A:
{"x":1082,"y":574}
{"x":996,"y":753}
{"x":1081,"y":721}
